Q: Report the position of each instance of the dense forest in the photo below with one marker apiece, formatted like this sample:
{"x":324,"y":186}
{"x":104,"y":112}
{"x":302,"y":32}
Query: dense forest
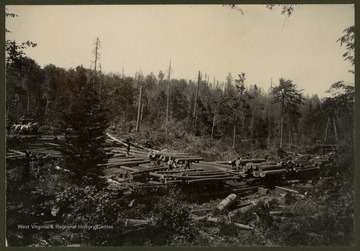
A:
{"x":231,"y":110}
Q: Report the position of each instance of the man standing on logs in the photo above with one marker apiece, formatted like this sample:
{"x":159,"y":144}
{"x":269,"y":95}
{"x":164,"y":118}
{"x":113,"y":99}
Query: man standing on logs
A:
{"x":238,"y":163}
{"x":152,"y":158}
{"x":187,"y":164}
{"x":170,"y":164}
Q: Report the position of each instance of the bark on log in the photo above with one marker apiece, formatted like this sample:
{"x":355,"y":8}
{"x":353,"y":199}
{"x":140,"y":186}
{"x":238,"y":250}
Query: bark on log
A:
{"x":121,"y":160}
{"x":128,"y":169}
{"x":270,"y":167}
{"x":191,"y":159}
{"x":287,"y":189}
{"x":127,"y":163}
{"x":205,"y":173}
{"x":151,"y":169}
{"x":262,"y":190}
{"x":242,"y":226}
{"x":226,"y":202}
{"x":133,"y":144}
{"x":227,"y":223}
{"x":211,"y":179}
{"x":272,"y":172}
{"x":182,"y":170}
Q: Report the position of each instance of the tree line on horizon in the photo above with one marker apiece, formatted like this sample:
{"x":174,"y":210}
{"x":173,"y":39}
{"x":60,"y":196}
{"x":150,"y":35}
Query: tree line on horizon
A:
{"x":234,"y":108}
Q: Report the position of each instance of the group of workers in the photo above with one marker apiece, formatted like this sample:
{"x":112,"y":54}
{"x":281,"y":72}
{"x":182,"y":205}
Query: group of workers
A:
{"x":170,"y":163}
{"x":236,"y":164}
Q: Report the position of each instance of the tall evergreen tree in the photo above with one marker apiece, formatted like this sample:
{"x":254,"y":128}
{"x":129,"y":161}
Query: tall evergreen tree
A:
{"x":290,"y":98}
{"x":84,"y":125}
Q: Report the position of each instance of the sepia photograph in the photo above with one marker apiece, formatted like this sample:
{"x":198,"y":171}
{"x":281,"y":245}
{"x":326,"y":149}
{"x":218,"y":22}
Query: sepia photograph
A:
{"x":178,"y":125}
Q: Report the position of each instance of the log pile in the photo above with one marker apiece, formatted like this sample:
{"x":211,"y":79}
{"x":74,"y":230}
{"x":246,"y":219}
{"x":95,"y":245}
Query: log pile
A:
{"x":153,"y":167}
{"x":261,"y":168}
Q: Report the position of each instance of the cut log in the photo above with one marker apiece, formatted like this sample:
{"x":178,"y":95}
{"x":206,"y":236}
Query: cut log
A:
{"x":270,"y":167}
{"x":121,"y":160}
{"x":258,"y":160}
{"x":262,"y":190}
{"x":130,"y":169}
{"x":292,"y":181}
{"x":191,"y":159}
{"x":307,"y":169}
{"x":224,"y":204}
{"x":245,"y":189}
{"x":132,"y":144}
{"x":287,"y":189}
{"x":272,"y":172}
{"x":204,"y":173}
{"x":227,"y":223}
{"x":282,"y":213}
{"x":127,"y":163}
{"x":201,"y":177}
{"x":242,"y":226}
{"x":211,"y":179}
{"x":161,"y":176}
{"x":183,"y":170}
{"x":151,"y":169}
{"x":224,"y":162}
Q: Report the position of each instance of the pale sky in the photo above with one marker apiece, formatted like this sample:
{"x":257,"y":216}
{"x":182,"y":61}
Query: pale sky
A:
{"x":212,"y":39}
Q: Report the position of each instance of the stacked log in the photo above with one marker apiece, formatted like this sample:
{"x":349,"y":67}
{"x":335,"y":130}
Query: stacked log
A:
{"x":182,"y":160}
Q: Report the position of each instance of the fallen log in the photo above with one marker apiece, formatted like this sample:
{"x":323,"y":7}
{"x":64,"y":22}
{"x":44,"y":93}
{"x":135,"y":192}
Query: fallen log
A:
{"x":15,"y":157}
{"x":166,"y":156}
{"x":270,"y":167}
{"x":130,"y":169}
{"x":245,"y":189}
{"x":151,"y":169}
{"x":211,"y":179}
{"x":258,"y":160}
{"x":132,"y":144}
{"x":306,"y":169}
{"x":224,"y":204}
{"x":292,"y":181}
{"x":191,"y":159}
{"x":124,"y":159}
{"x":242,"y":210}
{"x":127,"y":163}
{"x":172,"y":181}
{"x":182,"y":170}
{"x":227,"y":223}
{"x":207,"y":165}
{"x":287,"y":189}
{"x":262,"y":190}
{"x":272,"y":172}
{"x":206,"y":173}
{"x":17,"y":152}
{"x":242,"y":226}
{"x":161,"y":176}
{"x":282,"y":213}
{"x":253,"y":166}
{"x":132,"y":151}
{"x":201,"y":177}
